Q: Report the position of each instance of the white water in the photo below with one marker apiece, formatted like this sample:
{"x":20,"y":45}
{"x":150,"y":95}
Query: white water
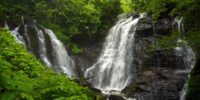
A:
{"x":17,"y":36}
{"x":114,"y":68}
{"x":62,"y":62}
{"x":180,"y":25}
{"x":185,"y":56}
{"x":27,"y":38}
{"x":42,"y":47}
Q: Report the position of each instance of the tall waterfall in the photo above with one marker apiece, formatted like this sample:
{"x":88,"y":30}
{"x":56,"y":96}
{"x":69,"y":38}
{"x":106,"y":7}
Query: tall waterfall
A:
{"x":55,"y":56}
{"x":115,"y":69}
{"x":185,"y":55}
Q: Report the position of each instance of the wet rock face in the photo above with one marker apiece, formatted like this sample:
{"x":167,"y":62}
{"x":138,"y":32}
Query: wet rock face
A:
{"x":16,"y":21}
{"x":146,"y":27}
{"x":164,"y":26}
{"x":156,"y":85}
{"x":27,"y":29}
{"x":115,"y":97}
{"x":153,"y":82}
{"x":87,"y":58}
{"x":157,"y":78}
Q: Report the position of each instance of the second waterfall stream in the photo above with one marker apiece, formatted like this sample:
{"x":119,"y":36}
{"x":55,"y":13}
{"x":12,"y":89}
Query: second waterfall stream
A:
{"x":114,"y":69}
{"x":43,"y":43}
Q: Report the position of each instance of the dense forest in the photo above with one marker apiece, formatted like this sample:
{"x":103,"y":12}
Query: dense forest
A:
{"x":78,"y":24}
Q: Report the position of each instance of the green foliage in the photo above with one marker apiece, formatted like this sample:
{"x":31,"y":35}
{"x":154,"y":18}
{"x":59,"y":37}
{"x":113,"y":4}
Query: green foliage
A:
{"x":154,"y":7}
{"x":126,"y":5}
{"x":167,"y":7}
{"x":109,"y":9}
{"x":23,"y":77}
{"x":75,"y":49}
{"x":194,"y":83}
{"x":166,"y":43}
{"x":193,"y":40}
{"x":68,"y":18}
{"x":193,"y":88}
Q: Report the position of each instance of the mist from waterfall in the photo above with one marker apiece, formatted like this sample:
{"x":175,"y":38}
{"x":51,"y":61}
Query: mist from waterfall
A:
{"x":115,"y":69}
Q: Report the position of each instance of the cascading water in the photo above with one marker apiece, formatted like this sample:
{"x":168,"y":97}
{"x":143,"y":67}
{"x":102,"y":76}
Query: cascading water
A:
{"x":61,"y":61}
{"x":42,"y":47}
{"x":27,"y":38}
{"x":17,"y":36}
{"x":115,"y":69}
{"x":185,"y":55}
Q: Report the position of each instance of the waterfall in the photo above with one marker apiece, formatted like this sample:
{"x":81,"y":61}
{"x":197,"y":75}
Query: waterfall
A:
{"x":180,"y":26}
{"x":114,"y":69}
{"x":185,"y":55}
{"x":18,"y":37}
{"x":42,"y":47}
{"x":61,"y":61}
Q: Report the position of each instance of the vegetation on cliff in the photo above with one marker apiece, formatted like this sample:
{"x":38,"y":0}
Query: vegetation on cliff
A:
{"x":74,"y":21}
{"x":189,"y":10}
{"x":22,"y":76}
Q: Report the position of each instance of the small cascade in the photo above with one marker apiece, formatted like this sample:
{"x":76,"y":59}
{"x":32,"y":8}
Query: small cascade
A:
{"x":180,"y":26}
{"x":185,"y":55}
{"x":22,"y":18}
{"x":63,"y":61}
{"x":60,"y":62}
{"x":27,"y":38}
{"x":115,"y":69}
{"x":42,"y":47}
{"x":18,"y":37}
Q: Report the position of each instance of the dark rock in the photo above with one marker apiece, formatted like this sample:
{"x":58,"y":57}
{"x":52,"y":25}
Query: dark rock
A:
{"x":32,"y":33}
{"x":135,"y":14}
{"x":95,"y":89}
{"x":129,"y":89}
{"x":86,"y":58}
{"x":115,"y":97}
{"x":164,"y":26}
{"x":14,"y":21}
{"x":162,"y":76}
{"x":145,"y":27}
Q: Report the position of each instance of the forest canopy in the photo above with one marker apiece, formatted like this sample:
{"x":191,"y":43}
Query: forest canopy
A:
{"x":70,"y":20}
